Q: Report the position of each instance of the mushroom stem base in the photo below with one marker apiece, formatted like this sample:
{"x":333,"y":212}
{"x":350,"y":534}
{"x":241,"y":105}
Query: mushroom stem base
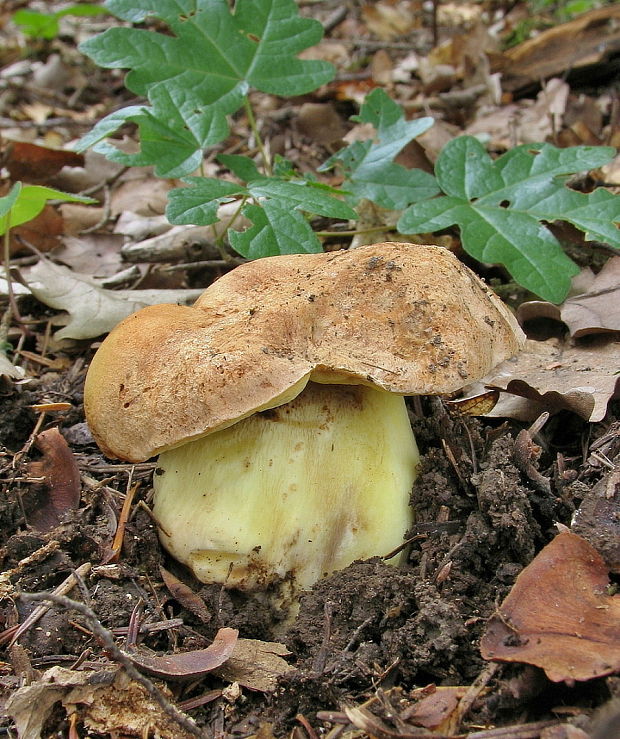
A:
{"x":295,"y":492}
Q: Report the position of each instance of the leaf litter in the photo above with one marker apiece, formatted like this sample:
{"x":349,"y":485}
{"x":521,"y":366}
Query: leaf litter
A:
{"x":369,"y":639}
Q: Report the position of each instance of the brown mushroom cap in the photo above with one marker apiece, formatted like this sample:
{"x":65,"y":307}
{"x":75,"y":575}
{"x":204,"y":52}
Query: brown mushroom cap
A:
{"x":404,"y":318}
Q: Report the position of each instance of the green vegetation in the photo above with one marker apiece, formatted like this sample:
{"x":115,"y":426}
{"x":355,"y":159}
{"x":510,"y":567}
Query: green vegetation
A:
{"x":47,"y":25}
{"x":196,"y":77}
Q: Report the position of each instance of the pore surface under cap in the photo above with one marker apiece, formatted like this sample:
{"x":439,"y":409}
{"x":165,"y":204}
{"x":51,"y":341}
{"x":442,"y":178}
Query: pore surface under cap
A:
{"x":405,"y":318}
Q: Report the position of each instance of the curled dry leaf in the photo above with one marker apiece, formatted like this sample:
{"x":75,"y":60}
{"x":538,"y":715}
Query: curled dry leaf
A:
{"x":189,"y":665}
{"x":593,"y":308}
{"x":552,"y":376}
{"x":598,"y":309}
{"x":558,"y":615}
{"x":62,"y":479}
{"x":184,"y":595}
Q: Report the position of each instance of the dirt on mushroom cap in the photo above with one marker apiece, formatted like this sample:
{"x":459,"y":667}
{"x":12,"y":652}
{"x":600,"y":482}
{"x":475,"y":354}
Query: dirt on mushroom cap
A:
{"x":405,"y":318}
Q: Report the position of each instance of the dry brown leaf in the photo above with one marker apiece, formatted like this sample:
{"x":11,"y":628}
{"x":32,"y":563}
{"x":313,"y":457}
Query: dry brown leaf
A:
{"x":107,"y":701}
{"x":433,"y":710}
{"x":558,"y":615}
{"x":184,"y":595}
{"x":42,"y":232}
{"x":552,"y":376}
{"x":62,"y":479}
{"x":388,"y":21}
{"x":146,"y":196}
{"x":598,"y":518}
{"x":256,"y":664}
{"x":598,"y":309}
{"x":524,"y":122}
{"x":189,"y":665}
{"x":95,"y":254}
{"x":586,"y":40}
{"x":475,"y":405}
{"x":36,"y":164}
{"x":320,"y":122}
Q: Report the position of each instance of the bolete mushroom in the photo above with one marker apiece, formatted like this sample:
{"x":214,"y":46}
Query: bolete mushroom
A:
{"x":276,"y":403}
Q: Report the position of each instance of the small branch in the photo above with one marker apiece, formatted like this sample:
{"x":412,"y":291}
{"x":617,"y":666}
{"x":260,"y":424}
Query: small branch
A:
{"x":119,"y":656}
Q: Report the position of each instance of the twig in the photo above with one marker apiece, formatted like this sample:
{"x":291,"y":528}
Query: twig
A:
{"x":119,"y":656}
{"x":65,"y":587}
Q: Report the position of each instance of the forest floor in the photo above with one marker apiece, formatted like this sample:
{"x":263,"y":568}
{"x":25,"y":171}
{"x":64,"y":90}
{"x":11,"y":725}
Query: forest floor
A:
{"x":376,"y":650}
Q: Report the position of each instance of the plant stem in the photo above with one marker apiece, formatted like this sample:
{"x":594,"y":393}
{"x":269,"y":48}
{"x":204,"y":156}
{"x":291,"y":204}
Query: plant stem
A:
{"x":370,"y":230}
{"x":7,"y":273}
{"x":257,"y":136}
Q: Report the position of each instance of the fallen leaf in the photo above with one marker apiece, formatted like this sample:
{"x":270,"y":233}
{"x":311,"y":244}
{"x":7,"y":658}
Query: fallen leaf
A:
{"x":558,"y":616}
{"x":474,"y":405}
{"x":8,"y":369}
{"x":146,"y":196}
{"x":524,"y":122}
{"x":184,"y":595}
{"x":598,"y":309}
{"x":598,"y":518}
{"x":36,"y":164}
{"x":93,"y":310}
{"x":256,"y":664}
{"x":552,"y":376}
{"x":107,"y":701}
{"x":62,"y":479}
{"x":388,"y":21}
{"x":43,"y":232}
{"x":96,"y":255}
{"x":320,"y":123}
{"x":584,"y":41}
{"x":433,"y":710}
{"x":189,"y":665}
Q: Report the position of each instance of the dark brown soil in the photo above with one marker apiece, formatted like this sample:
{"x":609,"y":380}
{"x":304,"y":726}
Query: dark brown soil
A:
{"x":372,"y":629}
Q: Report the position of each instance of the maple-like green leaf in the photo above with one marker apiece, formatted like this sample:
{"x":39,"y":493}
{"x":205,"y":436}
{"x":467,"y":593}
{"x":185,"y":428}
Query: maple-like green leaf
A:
{"x":280,"y":229}
{"x":197,"y":204}
{"x":25,"y":202}
{"x":369,"y":169}
{"x":202,"y":71}
{"x":502,"y":207}
{"x":276,"y":230}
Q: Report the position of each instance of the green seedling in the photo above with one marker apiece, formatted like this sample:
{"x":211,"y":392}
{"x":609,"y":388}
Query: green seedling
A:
{"x":20,"y":205}
{"x":46,"y":26}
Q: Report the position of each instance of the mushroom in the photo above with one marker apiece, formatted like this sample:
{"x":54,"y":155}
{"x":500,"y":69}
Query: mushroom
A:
{"x":276,"y":404}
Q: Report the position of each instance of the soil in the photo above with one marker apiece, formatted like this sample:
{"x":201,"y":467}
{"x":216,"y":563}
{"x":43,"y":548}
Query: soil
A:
{"x":371,"y":629}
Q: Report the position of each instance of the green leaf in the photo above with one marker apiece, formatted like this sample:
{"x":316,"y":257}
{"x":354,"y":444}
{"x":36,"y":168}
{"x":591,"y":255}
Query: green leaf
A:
{"x":108,"y":125}
{"x":25,"y":202}
{"x":500,"y":207}
{"x":242,"y":167}
{"x":301,"y":196}
{"x":45,"y":25}
{"x":84,"y":10}
{"x":197,"y":204}
{"x":36,"y":25}
{"x":276,"y":230}
{"x":369,"y":168}
{"x":8,"y":201}
{"x":201,"y":72}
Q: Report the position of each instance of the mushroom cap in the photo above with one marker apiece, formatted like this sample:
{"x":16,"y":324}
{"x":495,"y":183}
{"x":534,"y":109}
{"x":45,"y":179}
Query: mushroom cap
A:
{"x":404,"y":318}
